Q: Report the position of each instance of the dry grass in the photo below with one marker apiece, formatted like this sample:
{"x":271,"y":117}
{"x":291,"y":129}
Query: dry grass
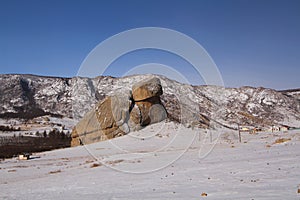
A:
{"x":55,"y":172}
{"x":281,"y":140}
{"x":20,"y":166}
{"x":100,"y":148}
{"x":114,"y":162}
{"x":96,"y":165}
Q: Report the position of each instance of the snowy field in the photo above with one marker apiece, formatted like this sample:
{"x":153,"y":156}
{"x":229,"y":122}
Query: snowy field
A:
{"x":162,"y":161}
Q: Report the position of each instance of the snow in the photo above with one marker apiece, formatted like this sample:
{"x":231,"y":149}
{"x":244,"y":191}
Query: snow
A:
{"x":162,"y":161}
{"x":251,"y":106}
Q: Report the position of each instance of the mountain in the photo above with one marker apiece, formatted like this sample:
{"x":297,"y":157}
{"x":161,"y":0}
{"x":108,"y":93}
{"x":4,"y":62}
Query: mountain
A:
{"x":29,"y":96}
{"x":292,"y":93}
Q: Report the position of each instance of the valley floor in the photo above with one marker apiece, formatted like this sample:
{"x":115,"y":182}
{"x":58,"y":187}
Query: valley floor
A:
{"x":162,"y":161}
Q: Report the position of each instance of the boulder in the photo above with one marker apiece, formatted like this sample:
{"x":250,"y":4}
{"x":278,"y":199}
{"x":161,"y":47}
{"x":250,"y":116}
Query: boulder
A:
{"x":105,"y":121}
{"x":157,"y":113}
{"x":146,"y":89}
{"x":89,"y":130}
{"x":145,"y":107}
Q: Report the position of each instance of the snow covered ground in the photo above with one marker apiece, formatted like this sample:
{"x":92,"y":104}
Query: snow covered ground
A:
{"x":162,"y":161}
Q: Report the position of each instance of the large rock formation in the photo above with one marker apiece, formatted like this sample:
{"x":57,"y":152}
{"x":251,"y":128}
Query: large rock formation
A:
{"x":121,"y":113}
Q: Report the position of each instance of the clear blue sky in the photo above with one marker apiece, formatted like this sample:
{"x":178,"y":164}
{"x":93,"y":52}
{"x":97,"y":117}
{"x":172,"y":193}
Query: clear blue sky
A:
{"x":254,"y":43}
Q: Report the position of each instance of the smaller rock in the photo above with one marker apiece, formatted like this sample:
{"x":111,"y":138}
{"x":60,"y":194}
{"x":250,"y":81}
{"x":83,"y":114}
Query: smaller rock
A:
{"x":157,"y":113}
{"x":124,"y":128}
{"x":152,"y":111}
{"x":204,"y":194}
{"x":134,"y":121}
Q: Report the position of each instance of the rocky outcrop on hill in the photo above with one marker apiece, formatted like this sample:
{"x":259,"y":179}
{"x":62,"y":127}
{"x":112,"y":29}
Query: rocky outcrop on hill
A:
{"x":29,"y":96}
{"x":121,"y":113}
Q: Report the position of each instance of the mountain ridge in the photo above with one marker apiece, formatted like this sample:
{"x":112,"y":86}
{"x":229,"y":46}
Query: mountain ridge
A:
{"x":28,"y":96}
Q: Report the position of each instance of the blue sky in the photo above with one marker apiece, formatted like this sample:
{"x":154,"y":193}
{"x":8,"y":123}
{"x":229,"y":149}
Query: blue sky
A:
{"x":254,"y":43}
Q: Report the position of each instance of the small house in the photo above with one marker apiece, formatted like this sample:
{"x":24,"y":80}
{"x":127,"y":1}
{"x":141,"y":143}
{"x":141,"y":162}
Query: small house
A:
{"x":284,"y":128}
{"x":275,"y":128}
{"x":24,"y":156}
{"x":244,"y":129}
